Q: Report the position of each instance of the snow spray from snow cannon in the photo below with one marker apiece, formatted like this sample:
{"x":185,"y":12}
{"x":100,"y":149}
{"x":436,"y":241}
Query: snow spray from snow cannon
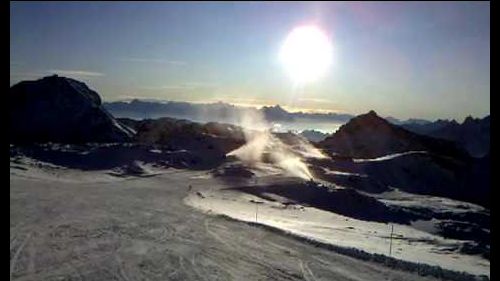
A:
{"x":261,"y":143}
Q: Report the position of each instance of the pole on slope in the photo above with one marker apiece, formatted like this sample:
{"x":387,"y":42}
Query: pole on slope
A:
{"x":390,"y":245}
{"x":256,"y":210}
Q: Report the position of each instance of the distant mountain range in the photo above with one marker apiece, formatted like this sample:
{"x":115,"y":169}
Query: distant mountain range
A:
{"x":396,"y":121}
{"x":473,"y":134}
{"x":215,"y":112}
{"x":313,"y":135}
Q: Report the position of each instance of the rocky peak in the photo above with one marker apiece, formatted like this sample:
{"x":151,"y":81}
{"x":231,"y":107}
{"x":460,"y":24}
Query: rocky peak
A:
{"x":469,"y":120}
{"x":369,"y":136}
{"x":60,"y":109}
{"x":276,"y":113}
{"x":368,"y":121}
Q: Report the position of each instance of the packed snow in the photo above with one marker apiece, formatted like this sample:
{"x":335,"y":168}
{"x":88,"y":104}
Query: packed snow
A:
{"x":89,"y":225}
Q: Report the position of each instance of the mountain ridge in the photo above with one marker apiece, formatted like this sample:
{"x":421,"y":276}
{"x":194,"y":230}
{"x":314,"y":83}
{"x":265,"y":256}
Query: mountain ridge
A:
{"x":473,"y":133}
{"x":220,"y":111}
{"x":370,"y":136}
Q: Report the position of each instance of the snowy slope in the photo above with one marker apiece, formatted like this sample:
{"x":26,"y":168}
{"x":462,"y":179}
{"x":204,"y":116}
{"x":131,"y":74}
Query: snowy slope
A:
{"x":87,"y":225}
{"x":410,"y":243}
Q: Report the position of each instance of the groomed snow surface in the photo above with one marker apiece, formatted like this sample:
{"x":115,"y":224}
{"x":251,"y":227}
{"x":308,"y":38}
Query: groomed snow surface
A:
{"x":408,"y":243}
{"x":119,"y":225}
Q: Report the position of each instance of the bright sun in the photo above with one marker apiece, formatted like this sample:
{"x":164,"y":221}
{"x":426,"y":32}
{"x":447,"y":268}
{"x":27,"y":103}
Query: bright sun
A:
{"x":306,"y":54}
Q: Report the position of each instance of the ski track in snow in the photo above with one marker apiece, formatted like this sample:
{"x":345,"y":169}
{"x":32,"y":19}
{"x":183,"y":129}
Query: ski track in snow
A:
{"x":140,"y":229}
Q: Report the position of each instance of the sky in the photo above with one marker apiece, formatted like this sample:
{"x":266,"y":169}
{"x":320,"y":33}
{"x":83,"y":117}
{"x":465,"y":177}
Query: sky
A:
{"x":403,"y":59}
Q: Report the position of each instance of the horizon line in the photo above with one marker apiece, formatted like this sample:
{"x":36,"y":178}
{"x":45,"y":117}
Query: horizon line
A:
{"x":297,"y":110}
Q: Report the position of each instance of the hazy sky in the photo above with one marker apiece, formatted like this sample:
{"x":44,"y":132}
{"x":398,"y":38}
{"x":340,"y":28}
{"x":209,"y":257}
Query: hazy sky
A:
{"x":427,"y":59}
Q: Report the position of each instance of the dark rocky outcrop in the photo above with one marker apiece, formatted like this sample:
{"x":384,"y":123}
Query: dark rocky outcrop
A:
{"x":60,"y":109}
{"x":210,"y":138}
{"x":370,"y":136}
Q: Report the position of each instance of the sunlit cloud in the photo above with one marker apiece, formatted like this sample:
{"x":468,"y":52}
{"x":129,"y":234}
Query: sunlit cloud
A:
{"x":16,"y":77}
{"x":240,"y":101}
{"x":26,"y":74}
{"x":129,"y":97}
{"x":317,"y":100}
{"x":153,"y":60}
{"x":181,"y":86}
{"x":75,"y":73}
{"x":312,"y":110}
{"x":316,"y":105}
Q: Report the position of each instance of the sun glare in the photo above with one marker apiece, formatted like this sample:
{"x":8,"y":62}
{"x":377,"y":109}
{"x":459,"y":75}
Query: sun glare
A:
{"x":306,"y":54}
